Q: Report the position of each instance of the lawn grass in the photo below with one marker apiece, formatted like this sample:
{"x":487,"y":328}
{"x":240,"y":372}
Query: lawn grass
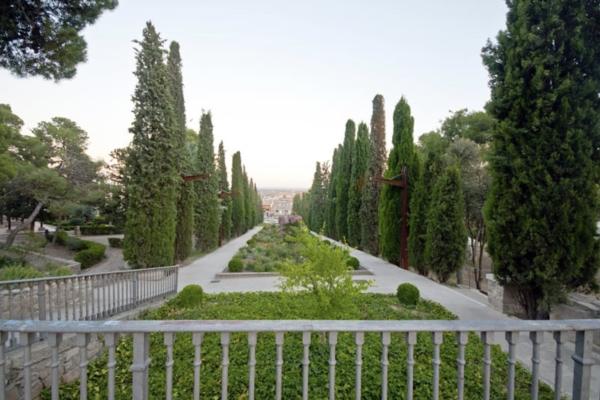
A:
{"x":289,"y":306}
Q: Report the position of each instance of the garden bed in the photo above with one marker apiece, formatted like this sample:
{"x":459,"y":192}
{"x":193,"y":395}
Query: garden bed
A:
{"x":273,"y":306}
{"x":273,"y":247}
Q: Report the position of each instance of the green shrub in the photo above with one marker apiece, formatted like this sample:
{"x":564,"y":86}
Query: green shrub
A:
{"x":103,"y":229}
{"x":57,"y":270}
{"x":191,"y":296}
{"x":93,"y":254}
{"x":16,"y":271}
{"x":75,"y":244}
{"x":235,"y":265}
{"x":115,"y":242}
{"x":61,"y":237}
{"x":408,"y":294}
{"x":353,"y":263}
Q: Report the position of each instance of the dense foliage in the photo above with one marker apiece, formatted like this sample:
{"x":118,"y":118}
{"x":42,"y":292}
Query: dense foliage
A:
{"x":207,"y":212}
{"x":370,"y":197}
{"x":402,"y":159}
{"x":42,"y":37}
{"x":238,"y":306}
{"x":543,"y":206}
{"x":360,"y":159}
{"x":153,"y":176}
{"x":185,"y":192}
{"x":343,"y":183}
{"x":408,"y":294}
{"x":446,"y":233}
{"x":226,"y":206}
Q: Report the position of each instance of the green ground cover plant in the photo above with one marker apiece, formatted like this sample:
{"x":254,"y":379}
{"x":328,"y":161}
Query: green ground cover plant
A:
{"x":11,"y":269}
{"x":281,"y":305}
{"x":87,"y":253}
{"x":274,"y":247}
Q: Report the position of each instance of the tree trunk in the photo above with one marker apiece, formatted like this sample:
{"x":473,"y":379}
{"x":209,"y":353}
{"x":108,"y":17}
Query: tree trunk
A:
{"x":12,"y":235}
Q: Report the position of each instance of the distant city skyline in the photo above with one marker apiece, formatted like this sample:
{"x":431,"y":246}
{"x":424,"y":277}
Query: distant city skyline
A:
{"x":280,"y":79}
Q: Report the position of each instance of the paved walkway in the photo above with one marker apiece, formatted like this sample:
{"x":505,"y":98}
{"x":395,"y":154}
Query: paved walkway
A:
{"x":465,"y":303}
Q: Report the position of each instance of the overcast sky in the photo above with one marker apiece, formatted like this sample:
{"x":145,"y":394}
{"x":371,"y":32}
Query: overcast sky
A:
{"x":280,"y":77}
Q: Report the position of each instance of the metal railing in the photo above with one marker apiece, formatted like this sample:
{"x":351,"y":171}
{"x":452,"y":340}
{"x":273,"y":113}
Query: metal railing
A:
{"x":140,"y":331}
{"x":84,"y":297}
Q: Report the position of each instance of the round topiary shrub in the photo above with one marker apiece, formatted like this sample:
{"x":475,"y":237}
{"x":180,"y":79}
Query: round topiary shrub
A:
{"x":190,"y":296}
{"x":408,"y":294}
{"x":353,"y":263}
{"x":235,"y":265}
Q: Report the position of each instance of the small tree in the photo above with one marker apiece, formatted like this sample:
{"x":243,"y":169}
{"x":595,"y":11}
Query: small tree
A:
{"x":446,"y":233}
{"x":325,"y":275}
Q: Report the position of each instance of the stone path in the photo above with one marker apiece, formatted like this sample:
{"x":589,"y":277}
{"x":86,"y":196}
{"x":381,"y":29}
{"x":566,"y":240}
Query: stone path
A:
{"x":114,"y":257}
{"x":465,"y":303}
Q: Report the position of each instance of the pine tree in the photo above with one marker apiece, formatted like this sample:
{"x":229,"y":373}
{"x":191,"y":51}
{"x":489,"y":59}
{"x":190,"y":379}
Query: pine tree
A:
{"x":185,"y":197}
{"x":360,"y":159}
{"x":343,"y":182}
{"x":207,"y":189}
{"x":542,"y":209}
{"x":238,"y":215}
{"x":446,"y":233}
{"x":154,"y":179}
{"x":370,"y":196}
{"x":390,"y":203}
{"x":225,"y":227}
{"x":330,"y":206}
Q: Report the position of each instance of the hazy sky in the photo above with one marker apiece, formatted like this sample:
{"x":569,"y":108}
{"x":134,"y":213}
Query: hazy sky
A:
{"x":280,"y":77}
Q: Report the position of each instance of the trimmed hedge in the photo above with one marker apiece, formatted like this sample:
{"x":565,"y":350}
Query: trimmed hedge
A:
{"x":191,"y":296}
{"x":104,"y":229}
{"x":91,"y":255}
{"x":116,"y":243}
{"x":353,"y":263}
{"x":235,"y":265}
{"x":408,"y":294}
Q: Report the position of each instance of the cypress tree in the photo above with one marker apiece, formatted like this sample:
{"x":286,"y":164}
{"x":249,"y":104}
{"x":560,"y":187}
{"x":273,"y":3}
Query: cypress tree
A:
{"x":225,"y":227}
{"x":207,"y":189}
{"x":370,"y":196}
{"x":252,"y":204}
{"x":446,"y":232}
{"x":360,"y":158}
{"x":238,"y":215}
{"x":330,"y":206}
{"x":152,"y":186}
{"x":185,"y":195}
{"x":417,"y":237}
{"x":542,"y":209}
{"x":318,"y":200}
{"x":247,"y":200}
{"x":343,"y":182}
{"x":390,"y":203}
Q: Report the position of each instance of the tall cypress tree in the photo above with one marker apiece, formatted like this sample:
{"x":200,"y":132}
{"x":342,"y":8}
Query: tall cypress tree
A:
{"x":542,"y":208}
{"x":225,"y":227}
{"x":417,"y":238}
{"x":331,"y":203}
{"x":238,"y":215}
{"x":318,"y":199}
{"x":185,"y":197}
{"x":446,"y":233}
{"x":247,"y":200}
{"x":390,"y":204}
{"x":154,"y":180}
{"x":370,"y":197}
{"x":343,"y":182}
{"x":360,"y":158}
{"x":207,"y":190}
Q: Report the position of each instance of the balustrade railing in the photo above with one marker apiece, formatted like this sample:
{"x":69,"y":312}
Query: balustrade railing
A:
{"x":84,"y":297}
{"x":512,"y":330}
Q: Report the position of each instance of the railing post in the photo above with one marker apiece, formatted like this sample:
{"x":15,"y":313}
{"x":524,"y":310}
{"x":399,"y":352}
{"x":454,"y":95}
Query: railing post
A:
{"x":134,"y":289}
{"x":3,"y":340}
{"x":41,"y":300}
{"x":582,"y":367}
{"x":139,"y":367}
